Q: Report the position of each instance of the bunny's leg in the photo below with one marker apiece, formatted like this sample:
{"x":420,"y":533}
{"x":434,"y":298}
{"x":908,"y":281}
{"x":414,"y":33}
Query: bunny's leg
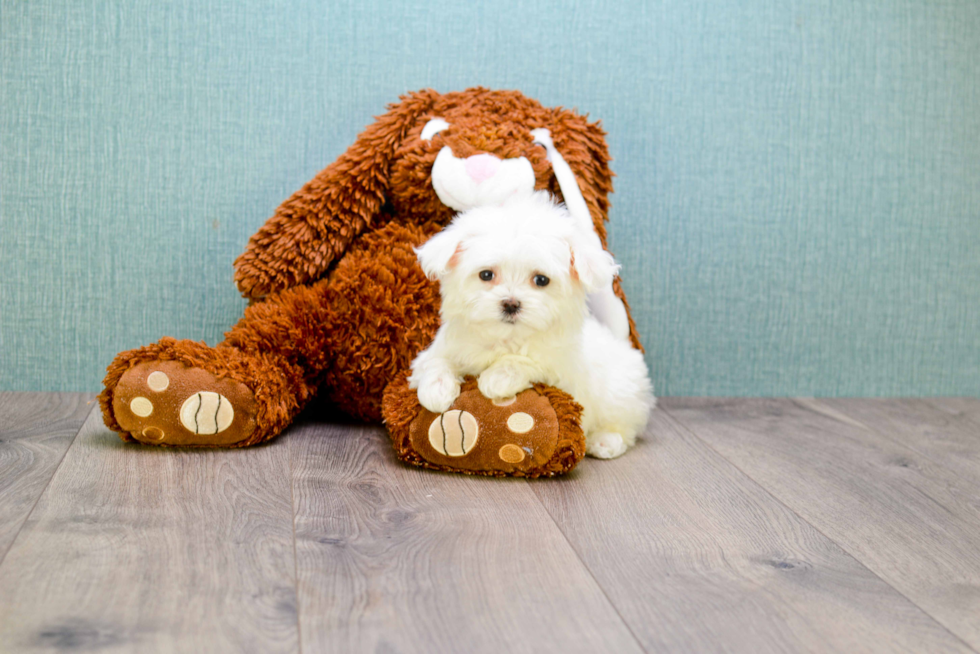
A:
{"x":349,"y":334}
{"x":245,"y":390}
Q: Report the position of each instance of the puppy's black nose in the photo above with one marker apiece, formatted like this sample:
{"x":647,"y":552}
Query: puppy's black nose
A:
{"x":510,"y":306}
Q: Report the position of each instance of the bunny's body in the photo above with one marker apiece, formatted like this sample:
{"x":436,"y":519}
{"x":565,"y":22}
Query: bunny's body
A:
{"x":340,"y":306}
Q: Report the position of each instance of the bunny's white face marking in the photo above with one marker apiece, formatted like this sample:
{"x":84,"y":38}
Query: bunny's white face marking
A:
{"x":480,"y":180}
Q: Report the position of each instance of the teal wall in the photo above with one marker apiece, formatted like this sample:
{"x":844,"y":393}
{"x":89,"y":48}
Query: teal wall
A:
{"x":797,"y":205}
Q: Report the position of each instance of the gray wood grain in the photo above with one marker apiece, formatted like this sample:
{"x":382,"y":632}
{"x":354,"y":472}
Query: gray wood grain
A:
{"x":964,"y":407}
{"x":133,"y":548}
{"x":397,"y":559}
{"x":35,"y":432}
{"x":948,"y":438}
{"x":909,"y":520}
{"x":697,"y":557}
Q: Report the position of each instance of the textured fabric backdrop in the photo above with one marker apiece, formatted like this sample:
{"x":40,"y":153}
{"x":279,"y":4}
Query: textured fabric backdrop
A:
{"x":797,"y":206}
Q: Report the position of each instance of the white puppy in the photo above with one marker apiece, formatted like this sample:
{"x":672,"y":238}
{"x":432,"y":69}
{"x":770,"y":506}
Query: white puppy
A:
{"x":514,"y":280}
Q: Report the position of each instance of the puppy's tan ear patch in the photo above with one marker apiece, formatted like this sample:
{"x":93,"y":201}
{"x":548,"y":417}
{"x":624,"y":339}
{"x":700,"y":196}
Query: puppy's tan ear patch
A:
{"x":457,"y":254}
{"x":441,"y":253}
{"x":590,"y":264}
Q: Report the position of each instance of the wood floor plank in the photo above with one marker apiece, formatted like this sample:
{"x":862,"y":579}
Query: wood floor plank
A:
{"x":135,"y":548}
{"x":696,"y":557}
{"x":948,"y":438}
{"x":964,"y":407}
{"x":909,"y":520}
{"x":35,"y":432}
{"x":398,"y":559}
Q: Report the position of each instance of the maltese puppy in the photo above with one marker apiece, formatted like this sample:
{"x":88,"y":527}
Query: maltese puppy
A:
{"x":514,"y":281}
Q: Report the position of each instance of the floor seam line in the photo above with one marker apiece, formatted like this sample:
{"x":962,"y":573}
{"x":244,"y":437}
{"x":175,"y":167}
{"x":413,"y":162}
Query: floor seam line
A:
{"x":586,"y":567}
{"x":694,"y":434}
{"x":877,"y":432}
{"x":292,"y":506}
{"x":46,"y":485}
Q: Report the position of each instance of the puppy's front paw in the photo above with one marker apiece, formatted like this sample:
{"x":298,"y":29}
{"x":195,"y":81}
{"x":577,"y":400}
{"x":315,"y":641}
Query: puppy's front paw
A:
{"x":439,"y":393}
{"x":501,"y":382}
{"x":605,"y":445}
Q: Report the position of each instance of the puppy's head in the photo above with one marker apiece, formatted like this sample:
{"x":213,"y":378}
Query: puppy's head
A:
{"x":518,"y":268}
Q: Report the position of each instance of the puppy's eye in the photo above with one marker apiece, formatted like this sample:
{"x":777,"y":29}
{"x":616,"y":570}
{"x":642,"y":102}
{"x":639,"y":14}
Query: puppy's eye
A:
{"x":487,"y":275}
{"x":541,"y":280}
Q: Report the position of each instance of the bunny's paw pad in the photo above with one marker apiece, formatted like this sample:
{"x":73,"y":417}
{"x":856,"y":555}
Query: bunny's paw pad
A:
{"x":170,"y":403}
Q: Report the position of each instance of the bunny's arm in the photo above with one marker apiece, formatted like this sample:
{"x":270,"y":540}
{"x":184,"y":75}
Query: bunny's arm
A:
{"x":314,"y":227}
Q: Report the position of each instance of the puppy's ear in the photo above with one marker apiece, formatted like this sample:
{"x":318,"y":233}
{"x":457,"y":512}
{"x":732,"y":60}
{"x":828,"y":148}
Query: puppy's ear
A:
{"x":590,"y":263}
{"x":439,"y":254}
{"x":311,"y":229}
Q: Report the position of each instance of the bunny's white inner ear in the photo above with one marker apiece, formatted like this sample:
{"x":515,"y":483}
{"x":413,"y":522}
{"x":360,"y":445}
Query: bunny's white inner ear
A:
{"x":604,"y":305}
{"x":566,"y":180}
{"x":432,"y":128}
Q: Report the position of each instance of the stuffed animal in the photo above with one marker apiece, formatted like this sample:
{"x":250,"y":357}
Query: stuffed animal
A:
{"x":340,"y":307}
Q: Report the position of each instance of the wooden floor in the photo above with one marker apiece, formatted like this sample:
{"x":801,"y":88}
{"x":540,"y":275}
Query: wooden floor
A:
{"x":745,"y":525}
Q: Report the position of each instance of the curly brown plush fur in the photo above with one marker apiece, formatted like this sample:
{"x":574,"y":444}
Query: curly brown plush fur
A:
{"x":340,"y":305}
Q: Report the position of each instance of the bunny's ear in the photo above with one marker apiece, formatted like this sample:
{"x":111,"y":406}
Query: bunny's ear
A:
{"x":314,"y":226}
{"x":582,"y":145}
{"x":578,"y":147}
{"x":438,"y":255}
{"x":590,"y":263}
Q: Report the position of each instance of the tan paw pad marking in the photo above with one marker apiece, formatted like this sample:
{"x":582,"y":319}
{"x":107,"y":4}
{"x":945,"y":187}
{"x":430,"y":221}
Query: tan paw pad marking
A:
{"x":507,"y":401}
{"x":454,"y":433}
{"x":158,"y":381}
{"x":511,"y":453}
{"x":520,"y":423}
{"x":141,"y":406}
{"x":153,"y":433}
{"x":206,"y":412}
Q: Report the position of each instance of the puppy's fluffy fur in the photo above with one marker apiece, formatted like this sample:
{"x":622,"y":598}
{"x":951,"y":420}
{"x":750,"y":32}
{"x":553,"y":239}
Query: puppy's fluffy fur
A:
{"x":514,"y":281}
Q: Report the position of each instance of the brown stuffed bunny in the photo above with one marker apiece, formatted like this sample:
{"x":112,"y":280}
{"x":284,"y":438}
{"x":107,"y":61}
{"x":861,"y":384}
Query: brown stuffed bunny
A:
{"x":341,"y":306}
